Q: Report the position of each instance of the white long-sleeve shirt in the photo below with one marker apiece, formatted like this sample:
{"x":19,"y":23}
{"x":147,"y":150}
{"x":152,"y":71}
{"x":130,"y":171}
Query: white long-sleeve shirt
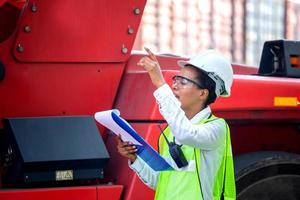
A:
{"x":209,"y":137}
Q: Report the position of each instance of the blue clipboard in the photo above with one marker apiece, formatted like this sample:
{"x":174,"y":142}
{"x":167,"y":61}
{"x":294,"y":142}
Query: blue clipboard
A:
{"x":145,"y":151}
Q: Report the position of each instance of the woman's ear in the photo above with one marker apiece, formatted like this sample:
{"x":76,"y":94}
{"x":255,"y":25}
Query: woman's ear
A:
{"x":203,"y":93}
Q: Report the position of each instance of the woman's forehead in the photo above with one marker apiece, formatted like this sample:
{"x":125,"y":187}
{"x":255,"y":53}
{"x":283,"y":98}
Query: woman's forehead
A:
{"x":189,"y":71}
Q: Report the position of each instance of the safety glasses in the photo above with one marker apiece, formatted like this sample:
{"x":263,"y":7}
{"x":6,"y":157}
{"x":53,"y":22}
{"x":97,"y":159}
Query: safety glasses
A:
{"x":183,"y":82}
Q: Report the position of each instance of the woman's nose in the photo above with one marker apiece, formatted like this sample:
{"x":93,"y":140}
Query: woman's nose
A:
{"x":175,"y":86}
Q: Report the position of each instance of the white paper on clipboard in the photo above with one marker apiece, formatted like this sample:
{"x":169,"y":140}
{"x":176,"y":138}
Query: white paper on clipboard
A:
{"x":105,"y":118}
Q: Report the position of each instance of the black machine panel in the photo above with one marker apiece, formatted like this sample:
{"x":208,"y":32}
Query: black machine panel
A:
{"x":280,"y":58}
{"x":45,"y":149}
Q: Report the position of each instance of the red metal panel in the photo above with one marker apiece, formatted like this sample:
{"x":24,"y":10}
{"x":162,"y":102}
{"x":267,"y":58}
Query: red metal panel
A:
{"x":85,"y":31}
{"x":2,"y":2}
{"x":45,"y":89}
{"x":111,"y":192}
{"x":17,"y":3}
{"x":258,"y":92}
{"x":58,"y":90}
{"x":9,"y":15}
{"x":76,"y":193}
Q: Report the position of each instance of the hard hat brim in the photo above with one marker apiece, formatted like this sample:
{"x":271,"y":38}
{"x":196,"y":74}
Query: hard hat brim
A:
{"x":183,"y":63}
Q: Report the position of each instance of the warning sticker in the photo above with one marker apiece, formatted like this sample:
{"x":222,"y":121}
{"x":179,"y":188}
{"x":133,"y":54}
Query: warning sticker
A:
{"x":286,"y":101}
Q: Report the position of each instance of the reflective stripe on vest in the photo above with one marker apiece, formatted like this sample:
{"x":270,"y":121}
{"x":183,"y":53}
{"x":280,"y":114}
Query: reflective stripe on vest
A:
{"x":185,"y":184}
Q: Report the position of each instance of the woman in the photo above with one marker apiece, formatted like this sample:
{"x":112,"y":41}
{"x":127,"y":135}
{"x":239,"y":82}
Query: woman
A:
{"x":203,"y":138}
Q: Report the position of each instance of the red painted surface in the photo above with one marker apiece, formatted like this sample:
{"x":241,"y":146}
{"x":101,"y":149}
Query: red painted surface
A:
{"x":17,"y":3}
{"x":45,"y":89}
{"x":7,"y":27}
{"x":2,"y":2}
{"x":109,"y":192}
{"x":67,"y":193}
{"x":96,"y":30}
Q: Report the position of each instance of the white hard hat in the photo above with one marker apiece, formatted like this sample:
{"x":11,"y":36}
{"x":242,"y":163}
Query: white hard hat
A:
{"x":217,"y":67}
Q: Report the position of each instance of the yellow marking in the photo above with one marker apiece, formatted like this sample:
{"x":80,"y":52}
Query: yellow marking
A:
{"x":285,"y":101}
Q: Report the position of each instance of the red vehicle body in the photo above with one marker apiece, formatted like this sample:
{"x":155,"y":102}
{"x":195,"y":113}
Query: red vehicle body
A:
{"x":71,"y":57}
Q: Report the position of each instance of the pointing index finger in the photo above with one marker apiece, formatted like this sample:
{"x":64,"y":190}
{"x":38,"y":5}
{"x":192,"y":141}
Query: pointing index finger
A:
{"x":151,"y":55}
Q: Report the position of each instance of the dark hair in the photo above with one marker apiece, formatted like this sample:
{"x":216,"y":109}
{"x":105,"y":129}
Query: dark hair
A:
{"x":207,"y":83}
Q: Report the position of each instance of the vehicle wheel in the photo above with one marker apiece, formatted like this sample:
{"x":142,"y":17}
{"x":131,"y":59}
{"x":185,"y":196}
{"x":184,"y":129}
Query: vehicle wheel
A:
{"x":268,"y":175}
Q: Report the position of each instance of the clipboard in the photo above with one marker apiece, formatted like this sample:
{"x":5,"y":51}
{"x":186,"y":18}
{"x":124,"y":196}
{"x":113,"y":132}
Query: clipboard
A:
{"x":111,"y":119}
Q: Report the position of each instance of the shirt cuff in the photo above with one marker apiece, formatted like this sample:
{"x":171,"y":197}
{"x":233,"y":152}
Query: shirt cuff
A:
{"x":137,"y":165}
{"x":162,"y":92}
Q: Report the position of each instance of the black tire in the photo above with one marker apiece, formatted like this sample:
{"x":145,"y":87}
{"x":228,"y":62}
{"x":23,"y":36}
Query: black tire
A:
{"x":268,"y":175}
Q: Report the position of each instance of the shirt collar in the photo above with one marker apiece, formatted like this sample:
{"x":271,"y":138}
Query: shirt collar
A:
{"x":203,"y":114}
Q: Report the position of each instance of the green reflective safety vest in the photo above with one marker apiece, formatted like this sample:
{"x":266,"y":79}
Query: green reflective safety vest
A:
{"x":173,"y":185}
